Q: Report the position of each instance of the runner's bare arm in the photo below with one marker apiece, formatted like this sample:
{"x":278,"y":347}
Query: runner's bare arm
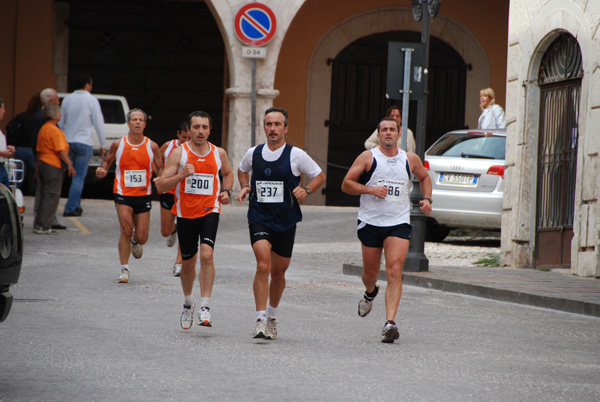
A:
{"x":244,"y":179}
{"x":417,"y":168}
{"x":169,"y":177}
{"x":315,"y":183}
{"x":351,"y":186}
{"x":102,"y":170}
{"x":227,"y":176}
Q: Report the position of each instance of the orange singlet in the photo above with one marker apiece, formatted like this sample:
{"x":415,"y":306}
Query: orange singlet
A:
{"x":198,"y":194}
{"x":172,"y":146}
{"x":134,"y":168}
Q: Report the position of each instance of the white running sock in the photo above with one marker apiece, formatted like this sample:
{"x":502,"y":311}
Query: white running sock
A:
{"x":271,"y":312}
{"x":205,"y":302}
{"x":261,"y":314}
{"x":126,"y":266}
{"x":188,"y":300}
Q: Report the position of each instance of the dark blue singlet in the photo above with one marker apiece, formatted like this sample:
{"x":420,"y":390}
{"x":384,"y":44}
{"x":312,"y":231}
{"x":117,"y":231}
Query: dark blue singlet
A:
{"x":279,"y":216}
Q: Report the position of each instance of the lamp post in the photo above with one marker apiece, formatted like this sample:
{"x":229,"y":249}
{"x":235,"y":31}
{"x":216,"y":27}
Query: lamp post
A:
{"x":416,"y":260}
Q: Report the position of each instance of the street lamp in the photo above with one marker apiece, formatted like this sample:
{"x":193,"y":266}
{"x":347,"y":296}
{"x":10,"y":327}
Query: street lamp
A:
{"x":416,"y":260}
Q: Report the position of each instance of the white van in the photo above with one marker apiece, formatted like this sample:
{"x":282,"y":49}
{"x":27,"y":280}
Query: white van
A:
{"x":114,"y":109}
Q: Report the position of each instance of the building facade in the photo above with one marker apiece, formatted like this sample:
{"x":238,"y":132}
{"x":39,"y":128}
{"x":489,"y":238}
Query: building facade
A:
{"x":553,"y":110}
{"x":326,"y":65}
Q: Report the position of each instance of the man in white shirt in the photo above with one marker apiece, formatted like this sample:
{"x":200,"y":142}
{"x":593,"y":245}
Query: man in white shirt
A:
{"x":81,"y":113}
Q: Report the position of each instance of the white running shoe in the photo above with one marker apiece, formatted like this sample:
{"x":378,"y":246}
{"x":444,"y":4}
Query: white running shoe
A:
{"x":365,"y":305}
{"x":389,"y":333}
{"x":271,"y":332}
{"x":187,"y":315}
{"x":204,"y":317}
{"x":124,"y":277}
{"x":260,"y":331}
{"x":172,"y":238}
{"x":136,"y":250}
{"x":42,"y":231}
{"x":177,"y":270}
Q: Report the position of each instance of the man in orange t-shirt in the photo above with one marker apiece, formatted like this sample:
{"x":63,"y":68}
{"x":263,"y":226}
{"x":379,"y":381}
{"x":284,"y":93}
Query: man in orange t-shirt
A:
{"x":137,"y":157}
{"x":193,"y":169}
{"x":52,"y":149}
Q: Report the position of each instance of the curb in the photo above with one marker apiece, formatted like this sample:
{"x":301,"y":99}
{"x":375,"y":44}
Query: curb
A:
{"x":505,"y":295}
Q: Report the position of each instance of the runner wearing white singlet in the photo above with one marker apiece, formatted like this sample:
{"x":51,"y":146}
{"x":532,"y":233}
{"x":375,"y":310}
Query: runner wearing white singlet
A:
{"x":381,"y":177}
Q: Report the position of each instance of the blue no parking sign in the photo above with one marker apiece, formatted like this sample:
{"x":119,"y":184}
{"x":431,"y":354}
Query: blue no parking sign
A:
{"x":255,"y":24}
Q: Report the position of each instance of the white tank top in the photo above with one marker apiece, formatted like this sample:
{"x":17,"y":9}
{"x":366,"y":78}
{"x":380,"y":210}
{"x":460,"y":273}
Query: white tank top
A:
{"x":393,"y":173}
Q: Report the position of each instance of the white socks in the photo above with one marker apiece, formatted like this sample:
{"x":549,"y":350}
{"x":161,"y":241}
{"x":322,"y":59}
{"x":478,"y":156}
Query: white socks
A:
{"x":205,"y":302}
{"x":270,"y":312}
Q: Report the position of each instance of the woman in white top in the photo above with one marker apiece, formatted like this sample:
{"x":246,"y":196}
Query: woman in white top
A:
{"x":396,"y":113}
{"x":492,"y":115}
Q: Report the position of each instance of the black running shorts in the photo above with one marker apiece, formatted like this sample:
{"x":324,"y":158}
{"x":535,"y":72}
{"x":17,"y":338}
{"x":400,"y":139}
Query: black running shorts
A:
{"x":190,"y":232}
{"x":139,"y":204}
{"x":282,"y":243}
{"x":167,"y":200}
{"x":373,"y":236}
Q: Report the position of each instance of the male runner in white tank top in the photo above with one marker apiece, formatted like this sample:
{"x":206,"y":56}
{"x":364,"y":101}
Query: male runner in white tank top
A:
{"x":381,"y":176}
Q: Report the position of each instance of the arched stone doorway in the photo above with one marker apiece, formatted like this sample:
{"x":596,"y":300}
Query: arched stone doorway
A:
{"x":358,"y":102}
{"x":559,"y":79}
{"x":359,"y":26}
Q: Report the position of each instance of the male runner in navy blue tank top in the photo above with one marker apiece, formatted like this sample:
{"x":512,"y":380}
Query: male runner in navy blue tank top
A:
{"x":275,"y":192}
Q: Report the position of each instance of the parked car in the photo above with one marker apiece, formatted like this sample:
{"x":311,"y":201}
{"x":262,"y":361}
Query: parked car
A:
{"x":466,"y":168}
{"x":11,"y":248}
{"x":115,"y":109}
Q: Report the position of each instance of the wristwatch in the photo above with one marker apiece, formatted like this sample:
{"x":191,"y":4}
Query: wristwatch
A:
{"x":307,"y":190}
{"x":226,"y":191}
{"x":428,"y":199}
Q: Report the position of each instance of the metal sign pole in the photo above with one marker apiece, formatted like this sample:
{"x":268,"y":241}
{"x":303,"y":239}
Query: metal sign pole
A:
{"x":253,"y":124}
{"x":406,"y":94}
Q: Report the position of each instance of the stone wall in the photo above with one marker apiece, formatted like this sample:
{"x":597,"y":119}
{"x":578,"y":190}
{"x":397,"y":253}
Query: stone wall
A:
{"x":532,"y":28}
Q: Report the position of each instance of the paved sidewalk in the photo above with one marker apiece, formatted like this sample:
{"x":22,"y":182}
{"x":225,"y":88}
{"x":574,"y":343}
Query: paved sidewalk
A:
{"x":550,"y":290}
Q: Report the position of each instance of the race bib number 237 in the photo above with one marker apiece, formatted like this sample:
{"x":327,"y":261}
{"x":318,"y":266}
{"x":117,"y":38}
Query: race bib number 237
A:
{"x":269,"y":191}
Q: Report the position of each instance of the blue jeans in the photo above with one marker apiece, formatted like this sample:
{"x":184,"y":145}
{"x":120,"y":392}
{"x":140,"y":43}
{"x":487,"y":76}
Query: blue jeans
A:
{"x":80,"y":154}
{"x":4,"y":176}
{"x":28,"y":158}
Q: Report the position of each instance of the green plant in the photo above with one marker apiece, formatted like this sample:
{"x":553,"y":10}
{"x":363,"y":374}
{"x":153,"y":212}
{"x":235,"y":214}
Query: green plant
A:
{"x":492,"y":260}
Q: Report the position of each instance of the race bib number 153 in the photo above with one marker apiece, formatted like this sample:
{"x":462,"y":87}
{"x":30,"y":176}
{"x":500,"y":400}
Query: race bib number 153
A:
{"x":135,"y":178}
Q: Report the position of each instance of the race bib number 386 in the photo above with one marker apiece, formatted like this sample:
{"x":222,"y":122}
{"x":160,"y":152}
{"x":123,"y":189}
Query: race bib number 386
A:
{"x":396,"y":190}
{"x":135,"y":178}
{"x":200,"y":184}
{"x":269,"y":191}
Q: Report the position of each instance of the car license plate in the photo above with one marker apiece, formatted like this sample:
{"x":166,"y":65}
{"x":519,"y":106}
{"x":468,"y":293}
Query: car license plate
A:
{"x":457,"y":178}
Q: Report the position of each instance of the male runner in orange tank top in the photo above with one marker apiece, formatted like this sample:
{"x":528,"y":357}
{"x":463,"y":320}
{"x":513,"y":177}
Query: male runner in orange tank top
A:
{"x":193,"y":169}
{"x":168,"y":228}
{"x":137,"y":157}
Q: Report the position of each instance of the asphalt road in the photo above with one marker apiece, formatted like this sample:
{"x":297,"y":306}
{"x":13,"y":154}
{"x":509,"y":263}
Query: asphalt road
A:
{"x":75,"y":334}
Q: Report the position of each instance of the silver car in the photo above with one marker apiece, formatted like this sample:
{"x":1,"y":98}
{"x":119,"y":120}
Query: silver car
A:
{"x":466,"y":168}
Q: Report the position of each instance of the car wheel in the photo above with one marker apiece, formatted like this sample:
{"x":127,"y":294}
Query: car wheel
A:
{"x":435,"y":232}
{"x":11,"y":246}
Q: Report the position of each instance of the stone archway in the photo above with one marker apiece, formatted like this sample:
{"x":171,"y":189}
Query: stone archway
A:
{"x":372,"y":22}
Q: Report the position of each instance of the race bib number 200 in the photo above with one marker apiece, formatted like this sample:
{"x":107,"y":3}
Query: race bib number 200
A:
{"x":200,"y":184}
{"x":135,"y":178}
{"x":269,"y":191}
